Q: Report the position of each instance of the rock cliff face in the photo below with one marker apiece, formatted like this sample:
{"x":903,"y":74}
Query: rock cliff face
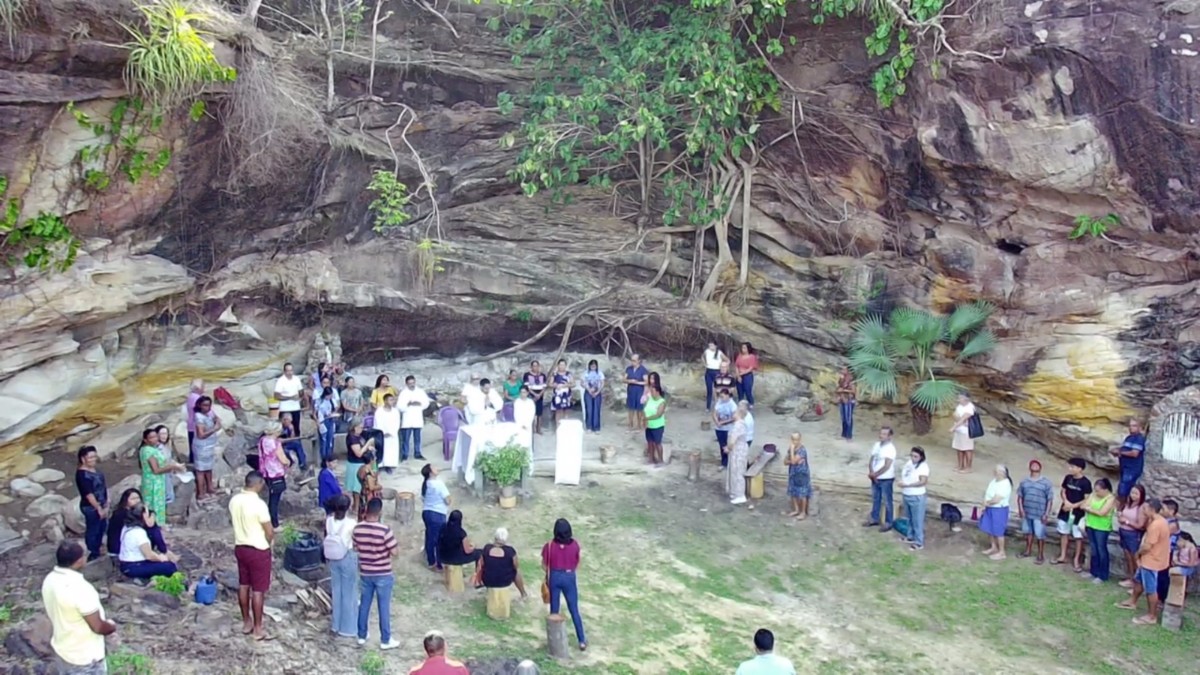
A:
{"x":966,"y":189}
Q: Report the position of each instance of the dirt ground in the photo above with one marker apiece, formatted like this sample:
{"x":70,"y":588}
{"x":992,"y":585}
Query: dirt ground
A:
{"x":675,"y":580}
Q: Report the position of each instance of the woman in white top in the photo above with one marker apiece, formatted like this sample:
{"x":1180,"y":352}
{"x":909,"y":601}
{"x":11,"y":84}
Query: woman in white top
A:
{"x":712,"y":359}
{"x":913,"y":479}
{"x":995,"y":511}
{"x":962,"y":441}
{"x":343,"y":567}
{"x":137,"y":558}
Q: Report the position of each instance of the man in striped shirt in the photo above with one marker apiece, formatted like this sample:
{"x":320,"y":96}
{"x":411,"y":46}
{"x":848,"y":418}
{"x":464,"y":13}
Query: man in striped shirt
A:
{"x":376,"y":546}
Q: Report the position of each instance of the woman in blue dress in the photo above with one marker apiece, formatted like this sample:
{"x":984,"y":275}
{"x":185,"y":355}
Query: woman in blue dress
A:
{"x":799,"y":478}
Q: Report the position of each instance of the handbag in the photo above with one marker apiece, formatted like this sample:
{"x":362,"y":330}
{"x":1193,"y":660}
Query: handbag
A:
{"x":975,"y":426}
{"x":545,"y":591}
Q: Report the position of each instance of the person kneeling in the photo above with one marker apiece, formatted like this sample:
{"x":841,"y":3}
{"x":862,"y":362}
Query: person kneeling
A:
{"x":137,"y":558}
{"x":498,"y":567}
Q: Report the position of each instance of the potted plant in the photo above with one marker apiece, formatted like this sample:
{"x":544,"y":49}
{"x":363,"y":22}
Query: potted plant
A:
{"x":504,"y":465}
{"x":913,"y":344}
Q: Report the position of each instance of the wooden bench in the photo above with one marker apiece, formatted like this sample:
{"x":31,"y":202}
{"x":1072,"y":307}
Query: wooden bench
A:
{"x":755,"y":473}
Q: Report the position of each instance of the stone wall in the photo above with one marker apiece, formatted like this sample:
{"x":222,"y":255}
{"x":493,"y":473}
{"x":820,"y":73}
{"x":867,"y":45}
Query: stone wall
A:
{"x":1172,"y":479}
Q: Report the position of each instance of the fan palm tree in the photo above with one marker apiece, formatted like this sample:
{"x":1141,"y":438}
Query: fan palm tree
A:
{"x":910,"y":345}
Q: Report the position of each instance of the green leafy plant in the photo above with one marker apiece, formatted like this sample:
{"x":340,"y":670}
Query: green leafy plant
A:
{"x":523,"y":315}
{"x":171,"y":58}
{"x":372,"y":663}
{"x":656,"y":100}
{"x":391,"y":200}
{"x":429,"y":260}
{"x":126,"y":662}
{"x":43,"y":242}
{"x":505,"y":464}
{"x":175,"y":585}
{"x":909,"y":346}
{"x":120,"y":144}
{"x":1087,"y":226}
{"x":288,"y":535}
{"x":6,"y":613}
{"x":891,"y":25}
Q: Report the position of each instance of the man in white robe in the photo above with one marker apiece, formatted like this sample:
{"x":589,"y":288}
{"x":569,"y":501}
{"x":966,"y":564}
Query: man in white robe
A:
{"x":387,"y":420}
{"x":484,"y":404}
{"x":524,"y":415}
{"x":473,"y":398}
{"x":412,"y":403}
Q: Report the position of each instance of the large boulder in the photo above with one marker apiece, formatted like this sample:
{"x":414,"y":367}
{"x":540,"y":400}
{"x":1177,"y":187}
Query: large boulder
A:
{"x":10,"y":539}
{"x":47,"y":475}
{"x":23,"y":487}
{"x":47,"y":505}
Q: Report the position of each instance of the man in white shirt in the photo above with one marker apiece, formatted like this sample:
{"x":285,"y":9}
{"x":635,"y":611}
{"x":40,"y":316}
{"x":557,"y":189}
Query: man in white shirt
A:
{"x":288,"y":389}
{"x":412,"y":402}
{"x":77,"y":619}
{"x":484,"y":404}
{"x":881,"y":469}
{"x":525,"y":413}
{"x":766,"y":662}
{"x":472,"y":396}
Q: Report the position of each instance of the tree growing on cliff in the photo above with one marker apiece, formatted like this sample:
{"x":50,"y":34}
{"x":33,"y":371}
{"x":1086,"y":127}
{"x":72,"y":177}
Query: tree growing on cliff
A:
{"x":908,"y":351}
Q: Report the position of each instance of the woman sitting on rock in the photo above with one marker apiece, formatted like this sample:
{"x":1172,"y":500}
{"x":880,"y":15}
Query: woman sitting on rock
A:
{"x":137,"y":558}
{"x":454,"y":548}
{"x":498,"y":567}
{"x":116,"y":523}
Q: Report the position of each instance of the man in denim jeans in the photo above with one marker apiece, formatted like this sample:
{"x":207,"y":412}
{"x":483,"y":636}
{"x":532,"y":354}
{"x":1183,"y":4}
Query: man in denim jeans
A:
{"x":881,"y":469}
{"x":376,"y":546}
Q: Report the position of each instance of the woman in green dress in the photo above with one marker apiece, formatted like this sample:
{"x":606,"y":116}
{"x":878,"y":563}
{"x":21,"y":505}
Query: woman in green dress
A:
{"x":156,"y":465}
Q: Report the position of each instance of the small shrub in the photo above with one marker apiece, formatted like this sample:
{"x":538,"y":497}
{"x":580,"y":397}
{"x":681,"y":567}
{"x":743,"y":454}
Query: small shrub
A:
{"x":372,"y":664}
{"x":1094,"y":227}
{"x":42,"y":242}
{"x":288,"y":535}
{"x":6,"y":613}
{"x":125,"y":662}
{"x":174,"y":585}
{"x":172,"y":59}
{"x":391,"y":200}
{"x":523,"y":315}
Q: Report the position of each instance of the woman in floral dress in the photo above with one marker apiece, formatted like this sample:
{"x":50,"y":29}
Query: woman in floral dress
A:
{"x":156,"y":465}
{"x":561,"y":402}
{"x":799,"y":478}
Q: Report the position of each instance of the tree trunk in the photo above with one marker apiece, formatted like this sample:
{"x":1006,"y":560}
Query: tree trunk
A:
{"x":556,"y":636}
{"x":922,"y":419}
{"x":747,"y":176}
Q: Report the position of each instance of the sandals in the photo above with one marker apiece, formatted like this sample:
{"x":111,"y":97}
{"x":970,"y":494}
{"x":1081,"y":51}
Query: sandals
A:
{"x":1056,"y":561}
{"x":1145,"y":621}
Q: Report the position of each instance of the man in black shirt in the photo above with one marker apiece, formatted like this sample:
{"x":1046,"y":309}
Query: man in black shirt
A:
{"x":1075,"y":489}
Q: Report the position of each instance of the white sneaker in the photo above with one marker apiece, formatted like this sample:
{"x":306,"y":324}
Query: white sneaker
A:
{"x":390,"y":644}
{"x":362,"y":641}
{"x":738,"y":501}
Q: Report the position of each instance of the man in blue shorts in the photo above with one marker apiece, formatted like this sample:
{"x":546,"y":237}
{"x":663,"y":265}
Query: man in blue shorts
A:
{"x":1034,"y":498}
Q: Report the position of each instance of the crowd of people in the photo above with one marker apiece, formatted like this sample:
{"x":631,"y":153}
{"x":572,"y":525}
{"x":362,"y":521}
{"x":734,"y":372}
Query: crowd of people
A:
{"x":383,"y":428}
{"x":1148,"y":529}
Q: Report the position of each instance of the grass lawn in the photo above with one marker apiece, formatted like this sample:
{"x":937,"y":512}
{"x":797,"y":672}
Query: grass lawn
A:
{"x":675,"y":581}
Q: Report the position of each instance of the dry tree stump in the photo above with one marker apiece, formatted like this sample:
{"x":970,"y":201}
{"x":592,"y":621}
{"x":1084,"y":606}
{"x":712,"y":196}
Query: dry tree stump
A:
{"x":556,"y":636}
{"x":693,"y":473}
{"x":499,"y":603}
{"x":607,"y":454}
{"x":454,"y":578}
{"x":405,"y":507}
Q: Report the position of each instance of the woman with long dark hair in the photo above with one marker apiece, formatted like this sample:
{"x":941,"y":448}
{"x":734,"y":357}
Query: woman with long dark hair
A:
{"x":560,"y":560}
{"x":208,"y":425}
{"x":1099,"y":509}
{"x":435,"y":507}
{"x":1132,"y":521}
{"x":137,"y":557}
{"x":913,"y":480}
{"x":746,"y":365}
{"x":655,"y":410}
{"x":343,"y":566}
{"x":453,"y":547}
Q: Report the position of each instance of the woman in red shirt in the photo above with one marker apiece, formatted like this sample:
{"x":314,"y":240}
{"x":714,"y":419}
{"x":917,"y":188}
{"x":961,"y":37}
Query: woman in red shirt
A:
{"x":746,"y":364}
{"x":560,"y":559}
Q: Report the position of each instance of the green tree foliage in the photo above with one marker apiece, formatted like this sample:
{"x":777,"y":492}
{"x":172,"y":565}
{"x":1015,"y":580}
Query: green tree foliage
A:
{"x":892,"y":26}
{"x":655,"y":94}
{"x":907,"y":346}
{"x":171,"y":58}
{"x":1088,"y":226}
{"x":119,"y":146}
{"x":42,"y":243}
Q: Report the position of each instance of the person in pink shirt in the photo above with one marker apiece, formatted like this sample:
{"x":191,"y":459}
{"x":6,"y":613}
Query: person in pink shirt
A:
{"x":194,"y":394}
{"x":436,"y":662}
{"x":746,"y":365}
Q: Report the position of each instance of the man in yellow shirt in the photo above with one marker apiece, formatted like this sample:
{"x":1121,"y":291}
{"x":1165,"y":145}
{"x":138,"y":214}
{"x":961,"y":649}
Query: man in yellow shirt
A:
{"x":252,"y":537}
{"x":73,"y":606}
